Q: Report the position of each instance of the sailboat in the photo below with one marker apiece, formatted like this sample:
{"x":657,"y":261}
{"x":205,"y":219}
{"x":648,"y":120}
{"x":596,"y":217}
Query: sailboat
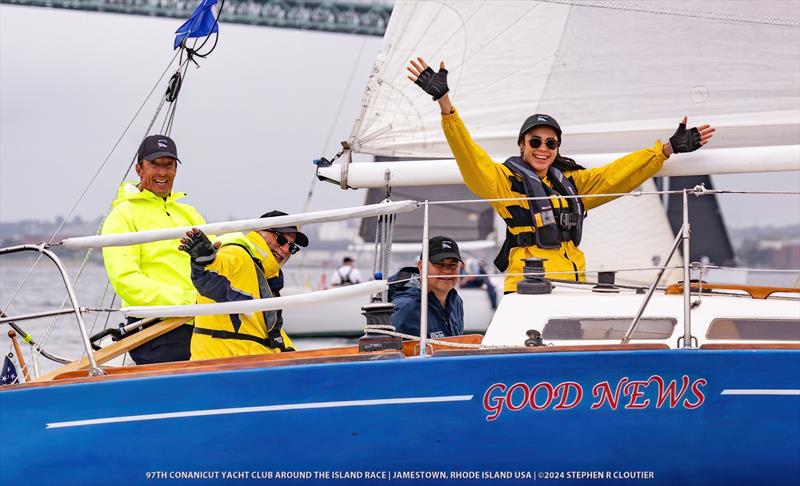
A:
{"x":609,"y":382}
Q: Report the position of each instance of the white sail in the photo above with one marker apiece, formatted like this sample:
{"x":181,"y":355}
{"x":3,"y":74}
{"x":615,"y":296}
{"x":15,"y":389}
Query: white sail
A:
{"x":616,"y":75}
{"x":630,"y":233}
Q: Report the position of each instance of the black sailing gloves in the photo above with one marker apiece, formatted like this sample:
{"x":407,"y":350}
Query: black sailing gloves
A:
{"x":685,"y":140}
{"x":199,"y":247}
{"x":433,"y":83}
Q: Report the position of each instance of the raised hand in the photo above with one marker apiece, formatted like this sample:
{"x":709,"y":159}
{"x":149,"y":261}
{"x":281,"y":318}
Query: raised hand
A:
{"x":433,"y":83}
{"x":199,"y":247}
{"x":684,"y":140}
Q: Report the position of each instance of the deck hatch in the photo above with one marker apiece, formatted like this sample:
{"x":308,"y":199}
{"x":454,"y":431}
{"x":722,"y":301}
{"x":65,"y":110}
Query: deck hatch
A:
{"x":608,"y":328}
{"x":750,"y":328}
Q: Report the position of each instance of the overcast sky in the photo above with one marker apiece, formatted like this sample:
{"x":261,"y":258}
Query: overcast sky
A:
{"x":249,"y":121}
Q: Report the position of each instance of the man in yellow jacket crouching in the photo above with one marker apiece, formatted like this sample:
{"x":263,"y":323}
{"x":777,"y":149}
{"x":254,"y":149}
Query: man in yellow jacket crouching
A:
{"x":240,"y":267}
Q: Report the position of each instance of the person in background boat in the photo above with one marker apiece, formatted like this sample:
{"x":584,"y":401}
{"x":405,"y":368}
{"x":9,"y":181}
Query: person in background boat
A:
{"x":347,"y":274}
{"x":153,"y":273}
{"x":241,"y":267}
{"x":476,"y":277}
{"x":550,"y":229}
{"x":445,"y":307}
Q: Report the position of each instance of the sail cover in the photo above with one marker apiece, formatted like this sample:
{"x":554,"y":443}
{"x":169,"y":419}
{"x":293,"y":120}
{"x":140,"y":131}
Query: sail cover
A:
{"x":616,"y":75}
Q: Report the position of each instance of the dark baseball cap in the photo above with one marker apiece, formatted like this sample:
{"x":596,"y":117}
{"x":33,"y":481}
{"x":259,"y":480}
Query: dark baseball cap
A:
{"x":301,"y":239}
{"x":539,"y":120}
{"x":155,"y":146}
{"x":441,"y":247}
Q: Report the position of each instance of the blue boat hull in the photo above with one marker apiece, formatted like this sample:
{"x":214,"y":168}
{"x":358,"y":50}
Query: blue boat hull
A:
{"x":730,"y":416}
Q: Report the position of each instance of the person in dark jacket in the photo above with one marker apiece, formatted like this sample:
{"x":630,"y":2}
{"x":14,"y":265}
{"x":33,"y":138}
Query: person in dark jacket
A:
{"x":445,"y":307}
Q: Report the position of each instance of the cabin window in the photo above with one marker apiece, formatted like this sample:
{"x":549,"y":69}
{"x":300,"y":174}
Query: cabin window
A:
{"x":608,"y":328}
{"x":755,"y":329}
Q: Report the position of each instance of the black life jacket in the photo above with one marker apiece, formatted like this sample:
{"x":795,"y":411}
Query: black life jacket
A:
{"x":273,"y":319}
{"x":345,"y":279}
{"x":553,"y":226}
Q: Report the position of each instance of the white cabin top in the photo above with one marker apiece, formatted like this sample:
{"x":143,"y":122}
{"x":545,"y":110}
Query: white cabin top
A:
{"x":573,"y":315}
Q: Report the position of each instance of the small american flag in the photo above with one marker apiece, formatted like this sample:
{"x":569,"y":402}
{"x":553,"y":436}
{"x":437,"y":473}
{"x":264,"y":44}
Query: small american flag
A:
{"x":9,"y":374}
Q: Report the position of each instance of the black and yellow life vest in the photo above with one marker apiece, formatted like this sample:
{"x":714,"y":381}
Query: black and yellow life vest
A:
{"x":552,"y":226}
{"x":267,"y":288}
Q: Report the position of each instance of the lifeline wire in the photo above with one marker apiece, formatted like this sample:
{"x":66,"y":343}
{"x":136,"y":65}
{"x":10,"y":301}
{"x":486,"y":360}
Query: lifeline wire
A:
{"x":694,"y":191}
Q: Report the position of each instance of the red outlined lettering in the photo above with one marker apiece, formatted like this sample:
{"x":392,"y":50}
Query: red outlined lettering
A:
{"x":701,"y":398}
{"x":633,"y":394}
{"x":634,"y":389}
{"x":525,"y":394}
{"x":494,"y":404}
{"x":563,"y":389}
{"x":547,"y":386}
{"x":670,"y":391}
{"x":603,"y":390}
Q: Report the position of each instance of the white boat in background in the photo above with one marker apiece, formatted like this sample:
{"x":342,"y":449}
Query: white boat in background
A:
{"x":344,"y":318}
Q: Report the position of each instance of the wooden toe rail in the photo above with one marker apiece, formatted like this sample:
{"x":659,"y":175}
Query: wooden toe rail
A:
{"x":754,"y":291}
{"x":120,"y":347}
{"x":77,"y":369}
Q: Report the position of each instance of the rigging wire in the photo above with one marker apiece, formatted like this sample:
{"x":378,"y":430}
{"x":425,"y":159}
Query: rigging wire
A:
{"x":171,"y":93}
{"x":91,"y":181}
{"x":89,"y":251}
{"x":329,"y":136}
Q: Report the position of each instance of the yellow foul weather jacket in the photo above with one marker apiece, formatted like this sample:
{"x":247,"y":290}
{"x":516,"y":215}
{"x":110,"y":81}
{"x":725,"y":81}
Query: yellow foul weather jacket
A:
{"x":234,"y":276}
{"x":490,"y":180}
{"x":155,"y":273}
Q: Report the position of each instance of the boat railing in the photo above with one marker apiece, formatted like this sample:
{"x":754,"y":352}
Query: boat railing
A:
{"x":76,"y":309}
{"x":386,"y":208}
{"x":682,"y":239}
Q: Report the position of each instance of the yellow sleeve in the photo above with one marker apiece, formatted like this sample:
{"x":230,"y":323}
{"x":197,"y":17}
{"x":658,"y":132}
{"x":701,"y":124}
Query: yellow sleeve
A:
{"x":229,"y":261}
{"x":481,"y":174}
{"x":123,"y":265}
{"x":622,"y":175}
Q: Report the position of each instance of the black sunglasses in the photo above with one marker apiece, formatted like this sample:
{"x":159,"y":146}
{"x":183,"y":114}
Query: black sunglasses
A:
{"x":536,"y":142}
{"x":282,"y":240}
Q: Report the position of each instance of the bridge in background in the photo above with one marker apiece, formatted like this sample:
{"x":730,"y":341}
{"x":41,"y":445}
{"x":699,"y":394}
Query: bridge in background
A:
{"x":355,"y":17}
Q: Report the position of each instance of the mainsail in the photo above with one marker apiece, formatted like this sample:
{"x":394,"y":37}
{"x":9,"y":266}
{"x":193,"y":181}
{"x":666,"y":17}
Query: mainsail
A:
{"x":617,"y":76}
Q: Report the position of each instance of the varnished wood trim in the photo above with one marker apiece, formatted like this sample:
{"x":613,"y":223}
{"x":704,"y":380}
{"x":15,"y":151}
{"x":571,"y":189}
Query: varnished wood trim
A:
{"x":206,"y":367}
{"x":411,"y":348}
{"x":756,"y":292}
{"x":120,"y":347}
{"x":554,"y":349}
{"x":312,"y":356}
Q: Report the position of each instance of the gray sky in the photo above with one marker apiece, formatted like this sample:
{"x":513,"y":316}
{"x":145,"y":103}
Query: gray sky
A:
{"x":249,"y":121}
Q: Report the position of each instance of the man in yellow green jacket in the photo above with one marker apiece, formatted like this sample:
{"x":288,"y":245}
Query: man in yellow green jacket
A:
{"x":241,"y":267}
{"x":155,"y":273}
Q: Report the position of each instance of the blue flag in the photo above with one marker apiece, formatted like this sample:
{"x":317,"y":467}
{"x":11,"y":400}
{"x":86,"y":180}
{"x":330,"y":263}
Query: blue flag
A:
{"x":200,"y":24}
{"x":9,"y":374}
